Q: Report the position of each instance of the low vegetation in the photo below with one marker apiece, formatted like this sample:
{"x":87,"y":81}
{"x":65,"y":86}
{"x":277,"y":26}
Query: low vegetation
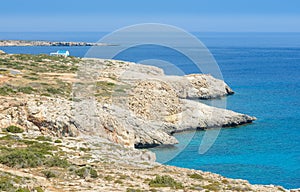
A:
{"x":29,"y":153}
{"x":36,"y":74}
{"x":49,"y":174}
{"x":13,"y":129}
{"x":133,"y":190}
{"x":165,"y":181}
{"x":11,"y":183}
{"x":86,"y":172}
{"x":196,"y":176}
{"x":43,"y":138}
{"x":57,"y":141}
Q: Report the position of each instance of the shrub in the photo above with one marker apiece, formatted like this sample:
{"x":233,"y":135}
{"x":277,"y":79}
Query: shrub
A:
{"x":44,"y":148}
{"x":39,"y":189}
{"x":43,"y":138}
{"x":165,"y":181}
{"x":133,"y":190}
{"x":57,"y":141}
{"x":108,"y":178}
{"x":54,"y":91}
{"x":14,"y":129}
{"x":5,"y":183}
{"x":55,"y":161}
{"x":118,"y":181}
{"x":93,"y":173}
{"x":22,"y":158}
{"x":86,"y":171}
{"x":31,"y":156}
{"x":26,"y":90}
{"x":23,"y":190}
{"x":123,"y":176}
{"x":213,"y":187}
{"x":196,"y":176}
{"x":49,"y":174}
{"x":84,"y":149}
{"x":5,"y":90}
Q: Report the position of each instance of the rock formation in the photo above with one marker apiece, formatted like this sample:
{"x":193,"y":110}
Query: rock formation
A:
{"x":149,"y":109}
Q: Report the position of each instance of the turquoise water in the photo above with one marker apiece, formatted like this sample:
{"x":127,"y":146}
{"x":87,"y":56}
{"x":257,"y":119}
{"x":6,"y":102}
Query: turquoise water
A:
{"x":266,"y":81}
{"x":264,"y":71}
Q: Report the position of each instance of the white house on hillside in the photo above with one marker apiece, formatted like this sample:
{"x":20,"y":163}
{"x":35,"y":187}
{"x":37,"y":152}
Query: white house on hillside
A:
{"x":61,"y":53}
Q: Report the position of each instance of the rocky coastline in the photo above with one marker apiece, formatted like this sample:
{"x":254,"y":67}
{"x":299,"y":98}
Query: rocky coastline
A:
{"x":90,"y":115}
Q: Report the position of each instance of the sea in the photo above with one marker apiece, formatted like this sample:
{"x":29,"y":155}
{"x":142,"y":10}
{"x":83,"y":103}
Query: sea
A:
{"x":264,"y":71}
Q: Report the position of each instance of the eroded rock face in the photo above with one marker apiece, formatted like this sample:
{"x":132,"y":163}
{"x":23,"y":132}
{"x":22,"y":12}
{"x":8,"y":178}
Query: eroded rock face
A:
{"x":153,"y":100}
{"x":56,"y":117}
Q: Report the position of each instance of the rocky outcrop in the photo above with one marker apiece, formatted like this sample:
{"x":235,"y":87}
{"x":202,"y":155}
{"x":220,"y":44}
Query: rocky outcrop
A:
{"x":198,"y":86}
{"x":2,"y":52}
{"x":193,"y":86}
{"x":37,"y":115}
{"x":145,"y":108}
{"x":154,"y":106}
{"x":155,"y":100}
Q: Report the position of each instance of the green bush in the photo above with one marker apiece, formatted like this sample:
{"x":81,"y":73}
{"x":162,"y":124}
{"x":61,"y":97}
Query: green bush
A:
{"x":44,"y":148}
{"x":49,"y":174}
{"x":55,"y":161}
{"x":213,"y":187}
{"x":39,"y":189}
{"x":5,"y":183}
{"x":32,"y":156}
{"x":26,"y":90}
{"x":52,"y":90}
{"x":23,"y":190}
{"x":108,"y":178}
{"x":22,"y":158}
{"x":57,"y":141}
{"x":196,"y":176}
{"x":86,"y":171}
{"x":165,"y":181}
{"x":82,"y":173}
{"x":5,"y":90}
{"x":133,"y":190}
{"x":14,"y":129}
{"x":118,"y":181}
{"x":93,"y":173}
{"x":43,"y":138}
{"x":84,"y":149}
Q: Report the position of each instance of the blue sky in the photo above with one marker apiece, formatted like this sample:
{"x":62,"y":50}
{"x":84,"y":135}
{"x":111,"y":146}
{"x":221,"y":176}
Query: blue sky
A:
{"x":191,"y":15}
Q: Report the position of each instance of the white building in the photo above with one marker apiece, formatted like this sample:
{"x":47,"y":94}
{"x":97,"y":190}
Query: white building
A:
{"x":61,"y":53}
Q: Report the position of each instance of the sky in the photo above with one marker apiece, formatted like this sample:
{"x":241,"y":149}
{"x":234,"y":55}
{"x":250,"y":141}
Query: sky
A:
{"x":191,"y":15}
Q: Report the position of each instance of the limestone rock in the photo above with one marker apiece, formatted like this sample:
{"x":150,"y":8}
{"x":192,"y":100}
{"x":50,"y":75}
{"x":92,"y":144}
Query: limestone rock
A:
{"x":152,"y":108}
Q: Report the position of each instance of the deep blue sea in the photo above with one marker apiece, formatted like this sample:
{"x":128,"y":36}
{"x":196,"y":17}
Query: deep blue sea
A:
{"x":264,"y":71}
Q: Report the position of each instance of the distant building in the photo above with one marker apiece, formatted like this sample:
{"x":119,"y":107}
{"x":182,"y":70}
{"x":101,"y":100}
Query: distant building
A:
{"x":61,"y":53}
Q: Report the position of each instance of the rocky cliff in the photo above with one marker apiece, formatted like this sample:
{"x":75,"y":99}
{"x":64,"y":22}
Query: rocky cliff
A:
{"x":127,"y":103}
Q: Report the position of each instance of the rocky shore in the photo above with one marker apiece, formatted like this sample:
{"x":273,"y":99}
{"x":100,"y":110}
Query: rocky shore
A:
{"x":47,"y":43}
{"x":71,"y":124}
